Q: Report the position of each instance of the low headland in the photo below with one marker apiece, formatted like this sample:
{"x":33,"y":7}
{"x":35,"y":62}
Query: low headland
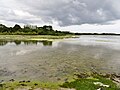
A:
{"x":30,"y":32}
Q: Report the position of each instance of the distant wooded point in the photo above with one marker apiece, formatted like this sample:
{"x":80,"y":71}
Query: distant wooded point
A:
{"x":31,"y":30}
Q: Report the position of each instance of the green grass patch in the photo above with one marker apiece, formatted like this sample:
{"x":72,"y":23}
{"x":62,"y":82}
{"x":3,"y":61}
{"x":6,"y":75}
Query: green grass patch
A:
{"x":95,"y":82}
{"x":33,"y":37}
{"x":28,"y":85}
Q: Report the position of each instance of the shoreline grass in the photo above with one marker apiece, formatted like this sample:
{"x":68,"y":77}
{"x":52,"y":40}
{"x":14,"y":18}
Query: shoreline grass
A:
{"x":93,"y":82}
{"x":28,"y":85}
{"x":81,"y":82}
{"x":34,"y":37}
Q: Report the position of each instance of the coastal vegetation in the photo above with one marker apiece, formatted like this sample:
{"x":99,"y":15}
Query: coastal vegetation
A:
{"x":35,"y":30}
{"x":33,"y":37}
{"x":31,"y":30}
{"x":94,"y":81}
{"x":80,"y":82}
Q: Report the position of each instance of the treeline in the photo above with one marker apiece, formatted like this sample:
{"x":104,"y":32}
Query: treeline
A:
{"x":45,"y":30}
{"x":31,"y":30}
{"x":96,"y":34}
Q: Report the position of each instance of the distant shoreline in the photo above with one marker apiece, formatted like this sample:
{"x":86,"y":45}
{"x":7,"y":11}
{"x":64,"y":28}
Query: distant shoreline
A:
{"x":96,"y":34}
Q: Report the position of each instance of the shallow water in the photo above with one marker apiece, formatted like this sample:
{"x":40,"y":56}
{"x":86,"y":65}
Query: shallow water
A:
{"x":54,"y":61}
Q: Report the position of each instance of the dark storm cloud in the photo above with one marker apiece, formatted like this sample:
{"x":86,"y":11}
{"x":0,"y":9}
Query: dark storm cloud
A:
{"x":65,"y":12}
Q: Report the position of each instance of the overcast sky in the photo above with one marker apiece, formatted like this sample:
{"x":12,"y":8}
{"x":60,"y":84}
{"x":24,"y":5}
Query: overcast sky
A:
{"x":72,"y":15}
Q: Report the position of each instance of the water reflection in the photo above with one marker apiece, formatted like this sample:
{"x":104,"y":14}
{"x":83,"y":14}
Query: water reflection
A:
{"x":27,"y":42}
{"x":17,"y":42}
{"x":47,"y":43}
{"x":2,"y":43}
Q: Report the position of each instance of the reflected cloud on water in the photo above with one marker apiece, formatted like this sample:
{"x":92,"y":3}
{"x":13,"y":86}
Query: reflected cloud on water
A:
{"x":112,"y":42}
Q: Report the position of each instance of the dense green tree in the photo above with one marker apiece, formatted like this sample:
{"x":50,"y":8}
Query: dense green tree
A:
{"x":16,"y":28}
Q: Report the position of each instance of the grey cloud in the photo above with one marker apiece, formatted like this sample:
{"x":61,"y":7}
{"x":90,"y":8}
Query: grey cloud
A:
{"x":67,"y":12}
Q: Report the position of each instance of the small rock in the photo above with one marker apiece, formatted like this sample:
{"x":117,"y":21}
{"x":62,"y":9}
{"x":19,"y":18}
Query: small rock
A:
{"x":1,"y":85}
{"x":12,"y":80}
{"x":23,"y":84}
{"x":27,"y":81}
{"x":35,"y":84}
{"x":58,"y":79}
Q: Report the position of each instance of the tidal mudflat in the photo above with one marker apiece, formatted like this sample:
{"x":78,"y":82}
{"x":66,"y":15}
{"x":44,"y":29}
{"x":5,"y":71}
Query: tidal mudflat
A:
{"x":58,"y":61}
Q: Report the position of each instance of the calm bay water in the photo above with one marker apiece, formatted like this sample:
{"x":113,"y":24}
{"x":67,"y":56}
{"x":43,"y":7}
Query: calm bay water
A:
{"x":53,"y":61}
